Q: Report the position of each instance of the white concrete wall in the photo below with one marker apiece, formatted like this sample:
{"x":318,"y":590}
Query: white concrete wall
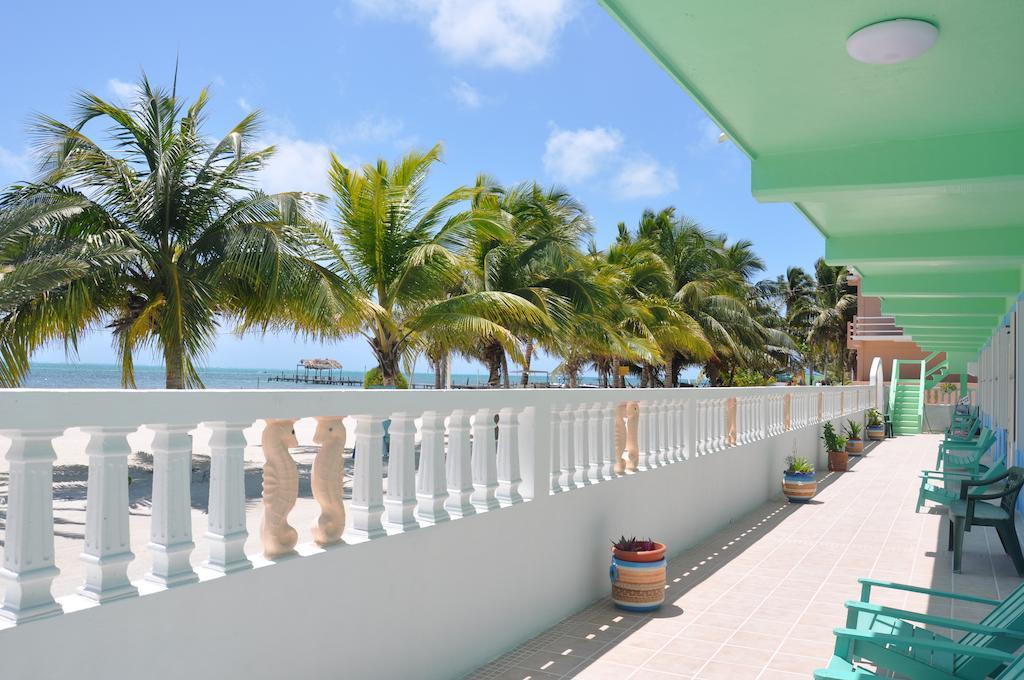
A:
{"x":432,"y":603}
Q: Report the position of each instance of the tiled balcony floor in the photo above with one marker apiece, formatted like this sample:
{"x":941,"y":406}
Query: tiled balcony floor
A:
{"x":760,"y":598}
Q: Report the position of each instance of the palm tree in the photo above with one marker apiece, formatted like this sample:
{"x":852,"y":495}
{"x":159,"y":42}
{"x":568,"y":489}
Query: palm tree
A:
{"x":535,"y":257}
{"x":401,"y":261}
{"x":41,"y":277}
{"x":831,"y":309}
{"x":207,"y":245}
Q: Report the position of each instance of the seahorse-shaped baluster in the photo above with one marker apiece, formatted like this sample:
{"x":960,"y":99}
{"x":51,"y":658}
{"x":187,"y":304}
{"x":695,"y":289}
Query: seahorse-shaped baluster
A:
{"x":328,"y":479}
{"x":632,"y":424}
{"x":280,"y":488}
{"x":620,"y":437}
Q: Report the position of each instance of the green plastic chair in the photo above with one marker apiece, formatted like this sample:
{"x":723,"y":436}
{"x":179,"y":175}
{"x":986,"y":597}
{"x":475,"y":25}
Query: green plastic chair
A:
{"x":892,"y":639}
{"x":944,"y":487}
{"x":973,"y":509}
{"x":841,"y":669}
{"x":965,"y":455}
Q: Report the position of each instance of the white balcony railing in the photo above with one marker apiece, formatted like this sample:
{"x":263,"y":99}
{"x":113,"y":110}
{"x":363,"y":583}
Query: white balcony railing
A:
{"x":451,"y":455}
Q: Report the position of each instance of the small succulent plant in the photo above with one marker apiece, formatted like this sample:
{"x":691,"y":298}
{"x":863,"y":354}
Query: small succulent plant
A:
{"x":634,"y":544}
{"x":798,"y":465}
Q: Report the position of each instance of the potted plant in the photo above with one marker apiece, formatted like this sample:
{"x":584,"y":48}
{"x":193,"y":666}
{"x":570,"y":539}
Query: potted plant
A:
{"x":876,"y":428}
{"x":798,"y":480}
{"x":637,"y":574}
{"x":835,"y":446}
{"x":854,"y":443}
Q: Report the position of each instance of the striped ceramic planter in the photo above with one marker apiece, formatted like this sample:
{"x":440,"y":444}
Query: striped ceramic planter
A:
{"x":799,"y":487}
{"x":876,"y":432}
{"x":855,"y":446}
{"x":638,"y":579}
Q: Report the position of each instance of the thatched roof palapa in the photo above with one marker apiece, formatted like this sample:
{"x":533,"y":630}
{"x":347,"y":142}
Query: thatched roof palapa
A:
{"x":320,"y":364}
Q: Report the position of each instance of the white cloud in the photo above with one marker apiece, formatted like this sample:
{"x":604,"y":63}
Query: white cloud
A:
{"x":373,"y":129}
{"x":577,"y":155}
{"x":297,"y":165}
{"x":122,"y":90}
{"x":515,"y":34}
{"x":707,"y":138}
{"x":644,"y":177}
{"x":243,"y":104}
{"x":467,"y":96}
{"x":15,"y":166}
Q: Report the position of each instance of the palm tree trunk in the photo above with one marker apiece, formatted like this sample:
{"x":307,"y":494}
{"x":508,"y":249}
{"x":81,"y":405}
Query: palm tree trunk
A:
{"x":524,"y":380}
{"x":504,"y":371}
{"x":493,"y":354}
{"x":174,"y":378}
{"x":438,"y":372}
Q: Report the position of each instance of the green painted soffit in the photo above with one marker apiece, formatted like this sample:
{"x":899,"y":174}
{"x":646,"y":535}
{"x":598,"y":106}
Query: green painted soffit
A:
{"x":914,"y":172}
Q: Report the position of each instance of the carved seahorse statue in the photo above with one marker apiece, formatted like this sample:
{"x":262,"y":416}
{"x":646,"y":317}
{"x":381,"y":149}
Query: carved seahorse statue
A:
{"x":328,"y":479}
{"x":280,"y":488}
{"x":620,"y":437}
{"x":632,"y":448}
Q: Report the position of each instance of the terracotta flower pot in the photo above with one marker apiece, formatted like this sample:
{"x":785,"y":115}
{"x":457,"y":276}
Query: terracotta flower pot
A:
{"x":638,"y":578}
{"x":854,"y":445}
{"x":838,"y":461}
{"x":876,"y":432}
{"x":799,"y":487}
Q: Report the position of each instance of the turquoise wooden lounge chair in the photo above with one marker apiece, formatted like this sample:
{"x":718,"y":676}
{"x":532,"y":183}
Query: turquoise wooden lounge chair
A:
{"x":944,"y":487}
{"x":965,"y":455}
{"x":966,"y":429}
{"x":973,"y":509}
{"x":891,"y":638}
{"x":841,"y":669}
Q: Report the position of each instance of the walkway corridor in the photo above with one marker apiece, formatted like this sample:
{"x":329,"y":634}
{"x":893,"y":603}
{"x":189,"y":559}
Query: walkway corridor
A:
{"x":760,"y":598}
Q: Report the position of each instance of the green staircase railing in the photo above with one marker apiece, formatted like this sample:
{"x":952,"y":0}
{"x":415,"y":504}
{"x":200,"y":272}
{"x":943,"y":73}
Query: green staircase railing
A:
{"x":906,"y":398}
{"x":935,"y":373}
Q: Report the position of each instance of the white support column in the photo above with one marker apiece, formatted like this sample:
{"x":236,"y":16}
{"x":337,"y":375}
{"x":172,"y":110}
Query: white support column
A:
{"x":508,"y":457}
{"x":28,"y":569}
{"x":677,"y":414}
{"x":367,"y":504}
{"x":608,"y":453}
{"x":484,"y":464}
{"x":596,"y":455}
{"x":107,"y":550}
{"x":689,"y":425}
{"x":170,"y":534}
{"x":700,"y":429}
{"x":431,"y":484}
{"x":555,"y":414}
{"x":459,"y":466}
{"x":566,"y":433}
{"x":226,"y":533}
{"x":400,"y":502}
{"x":581,"y":444}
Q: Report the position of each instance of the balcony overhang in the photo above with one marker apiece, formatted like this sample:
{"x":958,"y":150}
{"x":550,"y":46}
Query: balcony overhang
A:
{"x":913,"y":172}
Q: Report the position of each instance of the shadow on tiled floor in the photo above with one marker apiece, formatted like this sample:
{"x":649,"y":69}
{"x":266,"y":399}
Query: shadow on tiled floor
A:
{"x":759,"y":599}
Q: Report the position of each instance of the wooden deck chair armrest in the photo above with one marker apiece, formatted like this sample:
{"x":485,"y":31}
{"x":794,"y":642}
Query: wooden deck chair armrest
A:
{"x":932,"y":620}
{"x":937,"y":645}
{"x":928,"y":474}
{"x":841,"y":674}
{"x":868,"y":583}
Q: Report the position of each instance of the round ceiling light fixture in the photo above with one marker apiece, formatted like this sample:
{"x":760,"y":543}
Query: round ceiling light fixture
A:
{"x":893,"y":41}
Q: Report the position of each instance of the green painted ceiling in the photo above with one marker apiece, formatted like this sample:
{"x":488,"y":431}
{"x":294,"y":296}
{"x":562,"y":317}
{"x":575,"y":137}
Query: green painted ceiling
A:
{"x":913,"y":172}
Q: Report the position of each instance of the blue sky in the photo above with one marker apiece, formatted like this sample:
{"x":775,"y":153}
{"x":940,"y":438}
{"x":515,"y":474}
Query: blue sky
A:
{"x":552,"y":90}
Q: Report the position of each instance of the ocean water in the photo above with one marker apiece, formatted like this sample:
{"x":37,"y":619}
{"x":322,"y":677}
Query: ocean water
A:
{"x":152,"y":377}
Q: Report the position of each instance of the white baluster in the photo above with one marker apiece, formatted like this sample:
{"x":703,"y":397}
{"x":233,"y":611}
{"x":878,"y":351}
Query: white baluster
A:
{"x":28,"y":569}
{"x":485,"y":470}
{"x":400,"y":501}
{"x":678,"y":415}
{"x":508,"y":457}
{"x":643,"y":435}
{"x":170,"y":535}
{"x":459,"y":466}
{"x":741,"y":420}
{"x":720,"y":441}
{"x":566,"y":427}
{"x":226,"y":533}
{"x":556,"y":449}
{"x":608,"y":453}
{"x":107,"y":550}
{"x":581,"y":444}
{"x":701,"y":426}
{"x":367,"y":506}
{"x":663,"y":433}
{"x":431,"y":485}
{"x":596,"y":445}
